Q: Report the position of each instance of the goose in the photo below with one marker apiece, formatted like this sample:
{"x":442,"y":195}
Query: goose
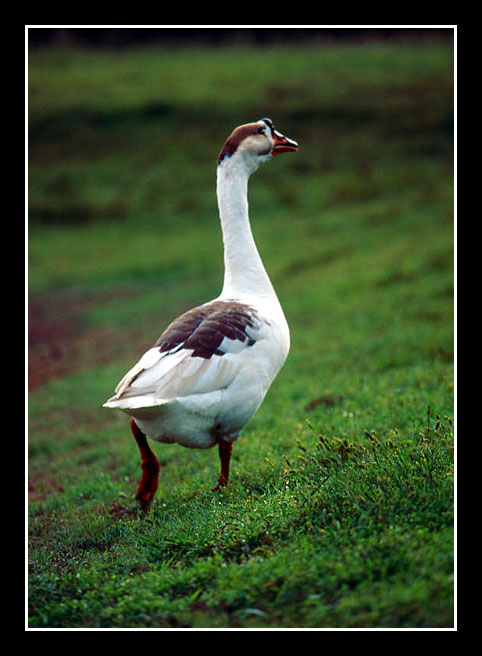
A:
{"x":209,"y":371}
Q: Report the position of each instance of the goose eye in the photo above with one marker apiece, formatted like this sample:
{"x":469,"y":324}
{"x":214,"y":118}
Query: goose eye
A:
{"x":260,"y":130}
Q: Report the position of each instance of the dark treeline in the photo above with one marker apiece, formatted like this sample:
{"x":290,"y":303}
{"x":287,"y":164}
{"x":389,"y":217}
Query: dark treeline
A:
{"x":131,"y":36}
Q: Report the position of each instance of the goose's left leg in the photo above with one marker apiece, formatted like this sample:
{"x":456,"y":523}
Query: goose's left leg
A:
{"x":225,"y":450}
{"x":150,"y":469}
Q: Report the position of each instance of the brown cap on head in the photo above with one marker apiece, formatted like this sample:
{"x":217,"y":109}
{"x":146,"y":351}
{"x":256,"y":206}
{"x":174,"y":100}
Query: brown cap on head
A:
{"x":236,"y":137}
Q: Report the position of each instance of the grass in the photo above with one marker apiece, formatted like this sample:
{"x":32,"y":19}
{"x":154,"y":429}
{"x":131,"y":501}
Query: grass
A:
{"x":340,"y":509}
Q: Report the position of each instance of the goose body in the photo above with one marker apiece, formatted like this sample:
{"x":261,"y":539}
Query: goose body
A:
{"x":209,"y":371}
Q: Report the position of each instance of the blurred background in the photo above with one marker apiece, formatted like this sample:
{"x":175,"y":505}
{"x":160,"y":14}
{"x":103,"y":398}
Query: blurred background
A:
{"x":125,"y":126}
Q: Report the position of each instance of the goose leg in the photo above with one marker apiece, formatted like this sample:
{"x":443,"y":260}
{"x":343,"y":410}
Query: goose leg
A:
{"x":225,"y":450}
{"x":150,"y":469}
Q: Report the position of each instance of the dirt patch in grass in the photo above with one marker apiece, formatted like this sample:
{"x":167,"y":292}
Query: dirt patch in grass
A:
{"x":40,"y":486}
{"x":60,"y":342}
{"x":327,"y":401}
{"x":118,"y":511}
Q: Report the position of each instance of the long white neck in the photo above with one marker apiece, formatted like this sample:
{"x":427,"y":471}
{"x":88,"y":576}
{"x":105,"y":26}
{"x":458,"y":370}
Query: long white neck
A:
{"x":244,"y":272}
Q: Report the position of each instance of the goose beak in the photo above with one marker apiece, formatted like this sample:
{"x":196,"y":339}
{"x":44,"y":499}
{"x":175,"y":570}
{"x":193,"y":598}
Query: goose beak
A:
{"x":282,"y":144}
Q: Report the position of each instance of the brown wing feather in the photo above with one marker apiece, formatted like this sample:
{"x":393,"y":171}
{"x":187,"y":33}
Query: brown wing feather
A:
{"x":203,"y":328}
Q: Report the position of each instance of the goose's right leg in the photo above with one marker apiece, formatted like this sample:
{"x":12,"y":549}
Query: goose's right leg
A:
{"x":150,"y":469}
{"x":225,"y":450}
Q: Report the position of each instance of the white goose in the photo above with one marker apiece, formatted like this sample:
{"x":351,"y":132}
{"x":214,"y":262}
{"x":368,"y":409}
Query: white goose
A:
{"x":209,"y":371}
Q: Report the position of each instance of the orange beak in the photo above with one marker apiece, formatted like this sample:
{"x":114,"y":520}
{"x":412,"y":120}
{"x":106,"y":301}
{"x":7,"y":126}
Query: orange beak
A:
{"x":282,"y":144}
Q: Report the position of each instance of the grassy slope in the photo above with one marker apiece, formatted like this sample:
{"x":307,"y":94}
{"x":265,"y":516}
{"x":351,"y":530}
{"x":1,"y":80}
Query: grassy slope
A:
{"x":340,"y":509}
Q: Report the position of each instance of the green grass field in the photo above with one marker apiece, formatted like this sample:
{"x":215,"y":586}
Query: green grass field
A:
{"x":340,"y":511}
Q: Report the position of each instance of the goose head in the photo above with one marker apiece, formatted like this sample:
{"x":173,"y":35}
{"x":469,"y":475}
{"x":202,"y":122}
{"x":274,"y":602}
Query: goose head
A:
{"x":255,"y":143}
